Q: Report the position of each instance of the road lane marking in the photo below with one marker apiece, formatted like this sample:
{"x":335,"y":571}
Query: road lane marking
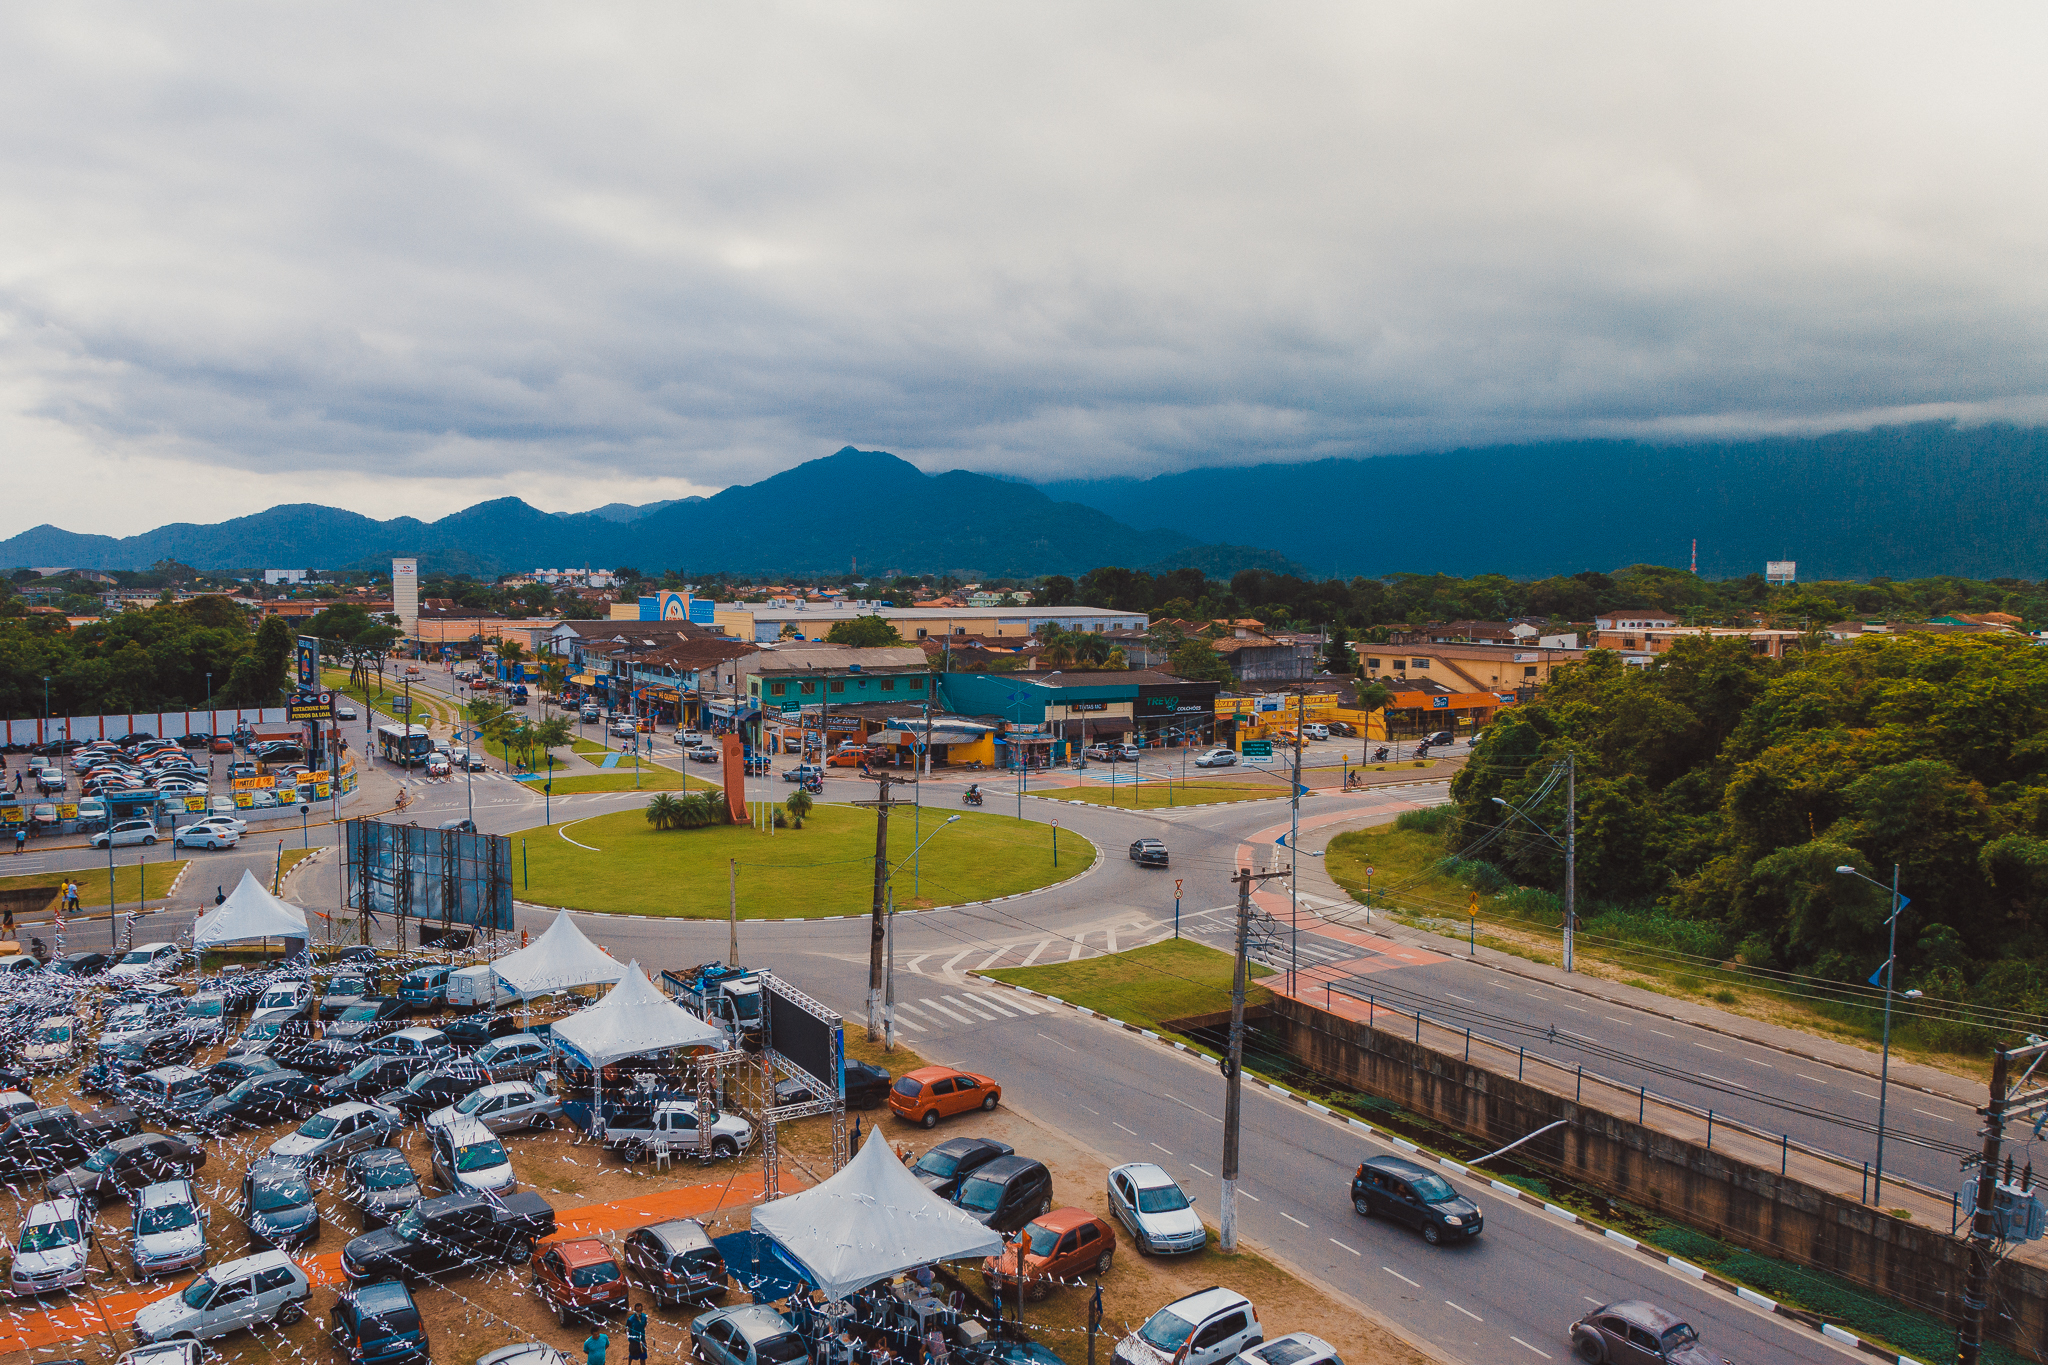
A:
{"x":1924,"y":1114}
{"x":1249,"y":1195}
{"x":1804,"y":1077}
{"x":1043,"y":944}
{"x":1048,"y":1038}
{"x":990,"y":960}
{"x":1167,"y":1150}
{"x":1612,"y":1020}
{"x":1573,"y":1008}
{"x":1353,"y":1252}
{"x":947,"y":970}
{"x":1537,"y":1349}
{"x":1399,"y":1276}
{"x":1132,"y":1131}
{"x":937,"y":1008}
{"x":984,"y":1010}
{"x":1660,"y":1033}
{"x":1199,"y":1171}
{"x":1709,"y":1049}
{"x":1754,"y":1062}
{"x":1185,"y":1105}
{"x":1864,"y":1093}
{"x":1466,"y":1311}
{"x":902,"y":1022}
{"x":1096,"y":1112}
{"x":1291,"y":1218}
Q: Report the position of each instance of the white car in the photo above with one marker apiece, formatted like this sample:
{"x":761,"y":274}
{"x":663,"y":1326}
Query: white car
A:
{"x":181,"y":786}
{"x":51,"y":1252}
{"x":469,"y":1159}
{"x":127,"y":833}
{"x":284,"y":1000}
{"x":236,"y":827}
{"x":1207,"y":1327}
{"x":205,"y":836}
{"x":54,"y":1043}
{"x":147,"y":959}
{"x":266,"y":1287}
{"x":439,"y":765}
{"x":169,"y":1232}
{"x":1160,"y":1215}
{"x":1217,"y":758}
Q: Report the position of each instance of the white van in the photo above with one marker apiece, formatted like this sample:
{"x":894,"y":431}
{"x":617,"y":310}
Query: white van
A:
{"x":478,"y":987}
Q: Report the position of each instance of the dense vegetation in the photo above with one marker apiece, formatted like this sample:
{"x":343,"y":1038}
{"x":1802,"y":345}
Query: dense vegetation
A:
{"x":168,"y":657}
{"x":1717,"y":792}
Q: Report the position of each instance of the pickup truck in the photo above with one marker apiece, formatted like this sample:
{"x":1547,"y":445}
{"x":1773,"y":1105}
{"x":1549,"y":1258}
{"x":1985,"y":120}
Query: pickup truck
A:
{"x":44,"y":1140}
{"x":636,"y":1130}
{"x":454,"y":1232}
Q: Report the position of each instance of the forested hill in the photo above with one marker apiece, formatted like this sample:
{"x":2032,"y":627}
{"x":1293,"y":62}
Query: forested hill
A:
{"x":1898,"y":502}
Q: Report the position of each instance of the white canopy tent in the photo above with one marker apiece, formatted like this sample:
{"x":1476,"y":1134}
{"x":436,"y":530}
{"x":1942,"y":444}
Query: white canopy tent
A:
{"x":870,"y":1221}
{"x":249,"y":912}
{"x":557,"y":960}
{"x":633,"y":1019}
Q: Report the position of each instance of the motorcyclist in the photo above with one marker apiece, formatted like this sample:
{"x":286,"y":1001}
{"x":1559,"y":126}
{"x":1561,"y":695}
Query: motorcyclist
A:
{"x":974,"y":792}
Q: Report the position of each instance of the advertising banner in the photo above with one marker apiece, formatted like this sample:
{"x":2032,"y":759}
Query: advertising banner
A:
{"x":195,"y":803}
{"x":244,"y":800}
{"x":67,"y":810}
{"x":310,"y":705}
{"x":309,"y":661}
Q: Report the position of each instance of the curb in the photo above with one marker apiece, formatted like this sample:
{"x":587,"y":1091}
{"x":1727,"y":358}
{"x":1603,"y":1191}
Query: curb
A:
{"x":1248,"y":801}
{"x":1729,"y":1287}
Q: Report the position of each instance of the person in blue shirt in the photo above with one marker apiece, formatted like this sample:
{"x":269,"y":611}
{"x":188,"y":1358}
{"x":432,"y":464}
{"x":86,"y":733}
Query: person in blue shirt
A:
{"x":636,"y":1333}
{"x":594,"y":1347}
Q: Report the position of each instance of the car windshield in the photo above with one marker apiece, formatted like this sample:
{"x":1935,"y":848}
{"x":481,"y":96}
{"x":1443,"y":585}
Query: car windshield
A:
{"x":190,"y":1087}
{"x":261,"y":1033}
{"x":1433,"y":1189}
{"x":1042,"y":1239}
{"x":1162,"y":1199}
{"x":279,"y":1192}
{"x":128,"y":1017}
{"x":279,"y":999}
{"x":319,"y":1126}
{"x":391,"y":1175}
{"x":356,"y":1014}
{"x":780,"y":1350}
{"x":473,"y":1101}
{"x":980,"y":1195}
{"x":54,"y":1033}
{"x":101,"y":1160}
{"x":363,"y":1068}
{"x":49,"y":1236}
{"x":604,"y":1272}
{"x":479,"y":1156}
{"x":1681,"y":1335}
{"x":1166,"y":1331}
{"x":140,"y":954}
{"x":165,"y":1218}
{"x":244,"y":1090}
{"x":940,"y":1164}
{"x":346,"y":985}
{"x":198,"y":1292}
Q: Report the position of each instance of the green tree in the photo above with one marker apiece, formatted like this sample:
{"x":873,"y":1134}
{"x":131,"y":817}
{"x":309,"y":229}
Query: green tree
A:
{"x":259,"y":677}
{"x":664,"y":811}
{"x":551,"y":734}
{"x":799,"y":804}
{"x":863,"y":632}
{"x":1195,"y":659}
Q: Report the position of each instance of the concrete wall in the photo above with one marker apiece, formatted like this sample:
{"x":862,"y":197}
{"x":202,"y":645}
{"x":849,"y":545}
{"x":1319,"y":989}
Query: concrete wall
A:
{"x":1747,"y":1205}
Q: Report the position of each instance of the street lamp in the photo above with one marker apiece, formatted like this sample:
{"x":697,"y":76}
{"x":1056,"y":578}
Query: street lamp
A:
{"x":889,"y":975}
{"x":1891,"y":958}
{"x":1569,"y":846}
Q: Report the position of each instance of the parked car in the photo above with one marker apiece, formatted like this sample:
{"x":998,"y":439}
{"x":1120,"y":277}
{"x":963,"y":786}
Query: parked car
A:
{"x":204,"y":1017}
{"x":381,"y":1184}
{"x":579,"y":1278}
{"x":750,"y":1334}
{"x":1159,"y":1213}
{"x":424,"y":988}
{"x":169,"y":1095}
{"x":169,"y":1231}
{"x":502,"y":1108}
{"x":205,"y":835}
{"x":1315,"y":730}
{"x":1065,"y":1245}
{"x":182,"y":1351}
{"x":50,"y":1253}
{"x":674,"y":1263}
{"x":1106,"y":753}
{"x":434,"y":1088}
{"x":278,"y":1205}
{"x":1633,"y":1330}
{"x":943,"y":1167}
{"x":125,"y":1165}
{"x":345,"y":989}
{"x":125,"y":834}
{"x":478,"y":1030}
{"x":260,"y":1101}
{"x":468,"y":1157}
{"x":1149,"y":853}
{"x":82,"y":964}
{"x":1395,"y":1188}
{"x":379,"y":1324}
{"x":230,"y":1071}
{"x":420,"y":1042}
{"x":334,"y":1132}
{"x":867,"y":1087}
{"x":458,"y":1231}
{"x":1296,"y":1348}
{"x":368,"y":1019}
{"x":1217,"y":758}
{"x":514,"y":1057}
{"x":1006,"y":1193}
{"x":370,"y":1077}
{"x":636,"y":1131}
{"x":147,"y":959}
{"x":249,"y":1292}
{"x":54,"y":1043}
{"x":930,"y":1093}
{"x":1207,"y":1327}
{"x":284,"y":1000}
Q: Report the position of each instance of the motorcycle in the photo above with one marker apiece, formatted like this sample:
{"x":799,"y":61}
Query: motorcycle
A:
{"x":972,"y":798}
{"x":814,"y":785}
{"x":1379,"y":755}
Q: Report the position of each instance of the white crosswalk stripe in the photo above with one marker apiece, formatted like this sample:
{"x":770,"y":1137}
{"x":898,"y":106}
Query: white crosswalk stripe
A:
{"x":985,"y":1003}
{"x":956,"y":1000}
{"x":936,"y":1008}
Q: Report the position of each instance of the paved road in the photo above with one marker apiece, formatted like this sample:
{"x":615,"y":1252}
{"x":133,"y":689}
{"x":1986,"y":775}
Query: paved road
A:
{"x":1526,"y":1279}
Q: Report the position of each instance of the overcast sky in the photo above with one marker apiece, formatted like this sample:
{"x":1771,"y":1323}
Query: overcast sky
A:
{"x":401,"y":258}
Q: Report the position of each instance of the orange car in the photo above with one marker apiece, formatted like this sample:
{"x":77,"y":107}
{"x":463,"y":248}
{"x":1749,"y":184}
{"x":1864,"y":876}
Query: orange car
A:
{"x":1065,"y":1245}
{"x":931,"y":1093}
{"x":579,"y":1279}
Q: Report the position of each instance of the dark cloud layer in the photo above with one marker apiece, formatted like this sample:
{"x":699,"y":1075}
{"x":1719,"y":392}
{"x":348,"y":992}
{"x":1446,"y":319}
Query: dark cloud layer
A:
{"x":399,"y":258}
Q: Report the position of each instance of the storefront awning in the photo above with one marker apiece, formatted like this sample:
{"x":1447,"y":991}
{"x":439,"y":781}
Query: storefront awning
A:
{"x":584,"y":679}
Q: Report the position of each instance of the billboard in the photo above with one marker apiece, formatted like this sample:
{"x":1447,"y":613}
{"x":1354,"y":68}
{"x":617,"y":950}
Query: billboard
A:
{"x":431,"y":874}
{"x":1781,"y":570}
{"x":405,"y":594}
{"x":309,"y":662}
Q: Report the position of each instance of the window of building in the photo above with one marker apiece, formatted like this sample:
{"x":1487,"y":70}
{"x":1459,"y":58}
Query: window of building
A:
{"x":921,"y":632}
{"x":917,"y":684}
{"x":777,"y":689}
{"x":807,"y":687}
{"x":839,"y":684}
{"x":1418,"y":663}
{"x":1628,"y":642}
{"x":1529,"y":670}
{"x":888,"y":684}
{"x":1372,"y":663}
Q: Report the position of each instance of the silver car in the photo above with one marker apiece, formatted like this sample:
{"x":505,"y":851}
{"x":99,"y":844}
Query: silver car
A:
{"x":515,"y":1057}
{"x":1158,"y":1212}
{"x":169,"y":1232}
{"x":502,"y":1108}
{"x":51,"y":1253}
{"x":333,"y":1133}
{"x":1217,"y":758}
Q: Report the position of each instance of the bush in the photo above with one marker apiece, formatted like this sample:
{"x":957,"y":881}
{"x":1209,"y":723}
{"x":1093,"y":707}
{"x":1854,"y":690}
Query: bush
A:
{"x":1431,"y":820}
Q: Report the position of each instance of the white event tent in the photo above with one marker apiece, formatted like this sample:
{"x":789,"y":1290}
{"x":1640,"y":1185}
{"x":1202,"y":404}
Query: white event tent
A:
{"x":557,"y":960}
{"x":870,"y":1221}
{"x":249,"y":912}
{"x":633,"y":1020}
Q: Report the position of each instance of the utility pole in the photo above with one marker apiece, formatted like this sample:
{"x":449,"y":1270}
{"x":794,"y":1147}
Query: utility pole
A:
{"x":732,"y":911}
{"x":889,"y":996}
{"x":878,"y":930}
{"x":1233,"y":1062}
{"x":1984,"y":1224}
{"x":1571,"y":851}
{"x":1294,"y":854}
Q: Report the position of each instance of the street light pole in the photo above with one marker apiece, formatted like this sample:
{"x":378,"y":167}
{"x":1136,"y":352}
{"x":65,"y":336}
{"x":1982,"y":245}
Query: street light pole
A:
{"x":1891,"y":960}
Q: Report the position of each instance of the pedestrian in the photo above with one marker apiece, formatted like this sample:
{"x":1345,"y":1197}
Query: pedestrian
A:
{"x":17,"y":781}
{"x":20,"y":841}
{"x":7,"y":922}
{"x":594,"y":1347}
{"x":636,"y":1333}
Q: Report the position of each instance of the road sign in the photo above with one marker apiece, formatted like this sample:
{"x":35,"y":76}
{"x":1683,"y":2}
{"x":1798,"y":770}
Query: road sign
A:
{"x":310,"y":706}
{"x":1258,"y":748}
{"x":401,"y":705}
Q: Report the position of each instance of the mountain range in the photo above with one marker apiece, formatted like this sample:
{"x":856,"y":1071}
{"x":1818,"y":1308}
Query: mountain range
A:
{"x":1898,"y":502}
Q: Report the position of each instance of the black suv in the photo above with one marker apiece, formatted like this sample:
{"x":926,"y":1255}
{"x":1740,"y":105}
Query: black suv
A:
{"x":475,"y":1030}
{"x":943,"y":1167}
{"x":370,"y":1077}
{"x":1392,"y":1188}
{"x":432,"y":1090}
{"x":379,"y":1324}
{"x":456,"y":1231}
{"x":1006,"y":1193}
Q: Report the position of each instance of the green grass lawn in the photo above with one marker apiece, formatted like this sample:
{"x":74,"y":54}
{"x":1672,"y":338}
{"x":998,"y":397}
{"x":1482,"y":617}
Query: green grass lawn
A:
{"x":1170,"y":979}
{"x":155,"y":882}
{"x":424,"y":703}
{"x":825,"y":868}
{"x":1154,"y":795}
{"x":653,"y":778}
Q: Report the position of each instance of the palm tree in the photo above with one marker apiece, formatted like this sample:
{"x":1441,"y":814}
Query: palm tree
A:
{"x":510,"y":652}
{"x":799,"y":804}
{"x":665,"y":811}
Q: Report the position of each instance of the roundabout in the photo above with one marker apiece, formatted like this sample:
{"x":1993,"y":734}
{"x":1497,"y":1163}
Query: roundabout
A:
{"x":621,"y":864}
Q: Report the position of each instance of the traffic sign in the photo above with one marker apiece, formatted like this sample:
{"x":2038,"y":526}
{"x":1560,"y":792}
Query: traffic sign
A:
{"x":310,"y":706}
{"x":1258,"y":748}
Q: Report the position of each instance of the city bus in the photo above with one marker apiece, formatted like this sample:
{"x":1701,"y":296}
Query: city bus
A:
{"x":405,"y":744}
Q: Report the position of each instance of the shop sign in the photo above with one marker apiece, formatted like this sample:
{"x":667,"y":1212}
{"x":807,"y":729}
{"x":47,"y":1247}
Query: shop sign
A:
{"x":1088,"y":706}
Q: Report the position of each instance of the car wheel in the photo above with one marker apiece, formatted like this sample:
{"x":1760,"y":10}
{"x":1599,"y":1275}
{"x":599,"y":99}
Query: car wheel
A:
{"x":724,"y":1147}
{"x":989,"y":1102}
{"x":1430,"y":1234}
{"x":520,"y":1252}
{"x":1589,"y":1348}
{"x":931,"y":1118}
{"x":1144,"y":1244}
{"x":1046,"y":1207}
{"x":562,"y":1315}
{"x":1364,"y":1208}
{"x":1102,"y":1265}
{"x":632,"y":1152}
{"x":148,"y":840}
{"x":292,"y":1311}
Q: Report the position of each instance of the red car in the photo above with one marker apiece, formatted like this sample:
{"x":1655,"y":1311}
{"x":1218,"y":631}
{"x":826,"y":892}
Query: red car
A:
{"x":579,"y":1279}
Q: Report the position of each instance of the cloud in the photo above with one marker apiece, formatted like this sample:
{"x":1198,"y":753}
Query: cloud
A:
{"x":405,"y":259}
